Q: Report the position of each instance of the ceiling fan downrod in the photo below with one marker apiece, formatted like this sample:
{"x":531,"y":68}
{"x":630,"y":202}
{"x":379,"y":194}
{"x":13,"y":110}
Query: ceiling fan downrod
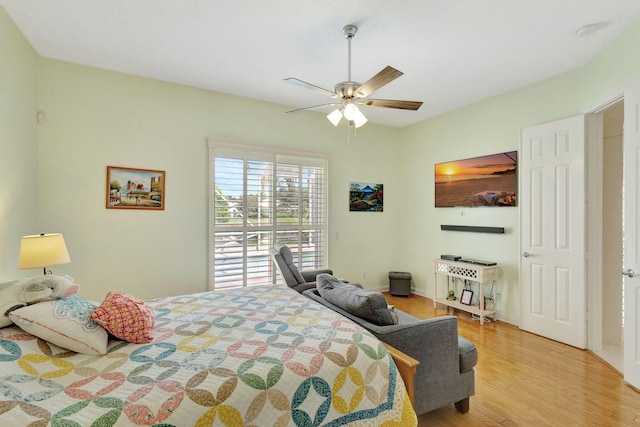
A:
{"x":349,"y":32}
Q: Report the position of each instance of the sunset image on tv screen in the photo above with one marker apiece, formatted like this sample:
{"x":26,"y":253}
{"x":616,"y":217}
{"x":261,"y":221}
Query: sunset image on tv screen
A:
{"x":480,"y":181}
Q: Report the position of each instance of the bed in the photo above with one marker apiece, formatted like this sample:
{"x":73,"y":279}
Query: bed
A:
{"x":254,"y":356}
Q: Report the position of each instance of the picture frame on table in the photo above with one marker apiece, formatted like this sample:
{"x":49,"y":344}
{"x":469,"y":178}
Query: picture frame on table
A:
{"x":466,"y":297}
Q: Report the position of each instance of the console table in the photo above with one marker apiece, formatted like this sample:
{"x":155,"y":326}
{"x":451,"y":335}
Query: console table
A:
{"x":472,"y":272}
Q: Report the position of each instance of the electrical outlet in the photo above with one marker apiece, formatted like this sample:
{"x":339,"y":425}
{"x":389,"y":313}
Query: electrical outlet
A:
{"x":364,"y":274}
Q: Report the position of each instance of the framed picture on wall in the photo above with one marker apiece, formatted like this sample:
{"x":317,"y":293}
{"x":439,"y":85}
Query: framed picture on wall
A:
{"x":131,"y":188}
{"x":366,"y":197}
{"x":466,"y":297}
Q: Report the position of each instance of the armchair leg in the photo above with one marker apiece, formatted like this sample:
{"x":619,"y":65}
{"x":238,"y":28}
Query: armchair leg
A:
{"x":463,"y":405}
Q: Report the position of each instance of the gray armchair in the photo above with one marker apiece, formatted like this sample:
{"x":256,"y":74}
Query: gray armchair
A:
{"x":300,"y":280}
{"x":446,"y":371}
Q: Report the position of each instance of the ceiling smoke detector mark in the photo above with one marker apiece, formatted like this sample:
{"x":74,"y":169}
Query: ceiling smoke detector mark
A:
{"x":590,"y":29}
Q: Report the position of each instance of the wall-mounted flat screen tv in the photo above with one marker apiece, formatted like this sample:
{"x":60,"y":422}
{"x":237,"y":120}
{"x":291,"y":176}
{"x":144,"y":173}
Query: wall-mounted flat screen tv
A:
{"x":479,"y":181}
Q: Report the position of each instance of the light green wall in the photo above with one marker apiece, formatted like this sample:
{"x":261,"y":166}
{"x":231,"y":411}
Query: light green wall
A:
{"x":18,"y":144}
{"x":493,"y":126}
{"x":611,"y":69}
{"x":97,"y":118}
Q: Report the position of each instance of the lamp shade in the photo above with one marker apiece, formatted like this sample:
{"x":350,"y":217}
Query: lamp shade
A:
{"x":44,"y":250}
{"x":358,"y":118}
{"x":335,"y":116}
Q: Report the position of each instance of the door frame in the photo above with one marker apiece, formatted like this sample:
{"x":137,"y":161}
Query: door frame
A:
{"x":594,"y":226}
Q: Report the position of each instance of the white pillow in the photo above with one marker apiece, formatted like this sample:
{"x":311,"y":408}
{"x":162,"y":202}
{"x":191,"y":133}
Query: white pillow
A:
{"x":9,"y":300}
{"x":64,"y":322}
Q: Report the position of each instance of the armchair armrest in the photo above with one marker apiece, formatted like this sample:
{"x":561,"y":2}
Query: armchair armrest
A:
{"x":406,"y":367}
{"x":432,"y":342}
{"x":310,"y":275}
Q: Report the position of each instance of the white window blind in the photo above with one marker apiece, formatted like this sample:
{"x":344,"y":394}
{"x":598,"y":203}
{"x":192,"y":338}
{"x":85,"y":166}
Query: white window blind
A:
{"x":259,"y":197}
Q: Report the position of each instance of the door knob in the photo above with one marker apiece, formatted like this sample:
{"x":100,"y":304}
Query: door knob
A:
{"x":527,"y":254}
{"x":628,"y":272}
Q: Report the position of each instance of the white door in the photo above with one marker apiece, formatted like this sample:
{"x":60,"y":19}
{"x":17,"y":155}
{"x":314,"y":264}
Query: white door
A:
{"x":632,"y":235}
{"x":553,"y":289}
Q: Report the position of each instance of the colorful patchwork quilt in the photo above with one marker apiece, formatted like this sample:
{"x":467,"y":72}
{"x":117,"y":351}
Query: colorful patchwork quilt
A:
{"x":258,"y":356}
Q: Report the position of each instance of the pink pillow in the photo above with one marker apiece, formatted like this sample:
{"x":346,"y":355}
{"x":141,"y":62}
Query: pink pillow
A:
{"x":125,"y":317}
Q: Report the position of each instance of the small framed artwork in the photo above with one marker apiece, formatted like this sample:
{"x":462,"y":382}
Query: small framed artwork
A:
{"x":466,"y":297}
{"x":130,"y":188}
{"x":365,"y":197}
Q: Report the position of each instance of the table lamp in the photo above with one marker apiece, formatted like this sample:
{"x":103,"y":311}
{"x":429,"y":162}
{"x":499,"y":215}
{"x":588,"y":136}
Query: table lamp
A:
{"x":42,"y":251}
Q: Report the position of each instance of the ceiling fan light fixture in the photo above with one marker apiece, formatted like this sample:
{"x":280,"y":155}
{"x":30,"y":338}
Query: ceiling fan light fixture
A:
{"x":350,"y":111}
{"x":353,"y":114}
{"x":349,"y":93}
{"x":335,"y":116}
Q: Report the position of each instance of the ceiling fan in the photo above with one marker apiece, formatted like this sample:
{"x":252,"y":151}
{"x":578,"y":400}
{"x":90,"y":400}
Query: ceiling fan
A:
{"x":349,"y":94}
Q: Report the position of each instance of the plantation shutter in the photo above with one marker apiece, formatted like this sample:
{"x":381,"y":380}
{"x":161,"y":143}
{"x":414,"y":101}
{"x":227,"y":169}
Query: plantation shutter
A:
{"x":259,"y":197}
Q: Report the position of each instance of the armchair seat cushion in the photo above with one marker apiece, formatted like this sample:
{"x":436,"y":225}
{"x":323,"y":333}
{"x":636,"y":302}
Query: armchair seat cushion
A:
{"x":301,"y":287}
{"x":310,"y":275}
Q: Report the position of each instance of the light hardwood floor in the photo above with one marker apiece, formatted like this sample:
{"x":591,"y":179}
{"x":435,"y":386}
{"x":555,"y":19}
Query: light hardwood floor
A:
{"x":523,"y":379}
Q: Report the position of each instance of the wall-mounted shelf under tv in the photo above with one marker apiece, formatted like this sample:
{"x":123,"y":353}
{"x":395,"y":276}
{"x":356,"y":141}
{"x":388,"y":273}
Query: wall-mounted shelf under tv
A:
{"x":472,"y":228}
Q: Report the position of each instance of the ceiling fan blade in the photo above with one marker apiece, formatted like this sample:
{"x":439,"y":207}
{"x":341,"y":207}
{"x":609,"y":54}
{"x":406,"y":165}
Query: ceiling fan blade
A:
{"x":315,"y":107}
{"x":391,"y":103}
{"x":387,"y":75}
{"x":310,"y":86}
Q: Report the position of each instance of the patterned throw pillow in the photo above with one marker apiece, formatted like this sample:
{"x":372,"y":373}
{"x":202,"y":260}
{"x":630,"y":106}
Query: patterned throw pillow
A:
{"x":64,"y":322}
{"x":125,"y":317}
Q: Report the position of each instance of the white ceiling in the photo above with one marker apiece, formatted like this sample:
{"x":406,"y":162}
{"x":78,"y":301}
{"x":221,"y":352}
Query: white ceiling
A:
{"x":453,"y":52}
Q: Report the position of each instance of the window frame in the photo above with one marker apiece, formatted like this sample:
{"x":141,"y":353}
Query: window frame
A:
{"x":278,"y":156}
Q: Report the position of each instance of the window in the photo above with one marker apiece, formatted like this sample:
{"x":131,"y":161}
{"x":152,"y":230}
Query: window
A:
{"x":259,"y":197}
